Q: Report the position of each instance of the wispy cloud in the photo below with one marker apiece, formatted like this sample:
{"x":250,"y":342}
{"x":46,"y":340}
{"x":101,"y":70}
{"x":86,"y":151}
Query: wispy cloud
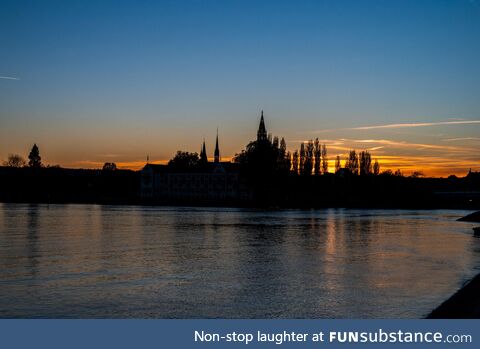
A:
{"x":377,"y":144}
{"x":462,"y":139}
{"x":403,"y":144}
{"x":417,"y":124}
{"x":9,"y":78}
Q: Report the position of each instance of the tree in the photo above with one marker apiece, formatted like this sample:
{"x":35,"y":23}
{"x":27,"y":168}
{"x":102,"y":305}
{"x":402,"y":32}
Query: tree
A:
{"x":283,"y":157}
{"x":398,"y":173}
{"x":259,"y":160}
{"x":295,"y":162}
{"x":15,"y":160}
{"x":184,"y":160}
{"x":308,"y":162}
{"x":34,"y":159}
{"x":317,"y":154}
{"x":288,"y":161}
{"x":338,"y":164}
{"x":263,"y":167}
{"x":324,"y":159}
{"x":352,"y":162}
{"x":301,"y":163}
{"x":417,"y":174}
{"x":109,"y":166}
{"x":376,"y":168}
{"x":282,"y":149}
{"x":275,"y":142}
{"x":365,"y":163}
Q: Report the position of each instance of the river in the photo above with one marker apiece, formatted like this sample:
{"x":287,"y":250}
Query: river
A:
{"x":93,"y":261}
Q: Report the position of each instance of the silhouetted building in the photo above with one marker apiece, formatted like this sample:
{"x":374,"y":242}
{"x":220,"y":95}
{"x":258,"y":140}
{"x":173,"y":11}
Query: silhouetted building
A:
{"x":210,"y":182}
{"x":215,"y":182}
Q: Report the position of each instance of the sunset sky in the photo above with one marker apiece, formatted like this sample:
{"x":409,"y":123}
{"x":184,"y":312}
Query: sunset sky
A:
{"x":98,"y":81}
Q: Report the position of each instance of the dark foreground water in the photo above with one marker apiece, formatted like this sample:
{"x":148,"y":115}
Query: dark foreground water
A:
{"x":89,"y":261}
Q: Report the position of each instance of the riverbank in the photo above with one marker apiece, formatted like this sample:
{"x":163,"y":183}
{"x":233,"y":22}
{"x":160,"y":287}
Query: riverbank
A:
{"x":125,"y":187}
{"x":473,"y":217}
{"x":464,"y":304}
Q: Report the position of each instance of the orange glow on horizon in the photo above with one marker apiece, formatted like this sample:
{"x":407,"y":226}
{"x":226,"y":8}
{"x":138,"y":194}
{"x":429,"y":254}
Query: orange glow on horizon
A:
{"x":431,"y":166}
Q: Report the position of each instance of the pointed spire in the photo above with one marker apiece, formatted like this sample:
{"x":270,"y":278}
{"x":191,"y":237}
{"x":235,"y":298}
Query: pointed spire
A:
{"x":203,"y":153}
{"x":262,"y":131}
{"x":217,"y":150}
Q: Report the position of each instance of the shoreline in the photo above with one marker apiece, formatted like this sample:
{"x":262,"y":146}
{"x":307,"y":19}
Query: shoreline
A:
{"x":463,"y":304}
{"x":144,"y":203}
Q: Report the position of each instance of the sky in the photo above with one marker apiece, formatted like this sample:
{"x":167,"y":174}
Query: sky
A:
{"x":114,"y":81}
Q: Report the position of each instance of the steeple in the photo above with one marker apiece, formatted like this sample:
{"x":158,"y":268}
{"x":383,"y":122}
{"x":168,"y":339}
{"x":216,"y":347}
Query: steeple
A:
{"x":217,"y":151}
{"x":203,"y":153}
{"x":262,"y":131}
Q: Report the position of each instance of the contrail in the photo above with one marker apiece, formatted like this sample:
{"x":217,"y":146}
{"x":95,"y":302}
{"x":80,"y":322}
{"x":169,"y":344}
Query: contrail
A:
{"x":418,"y":124}
{"x":9,"y":78}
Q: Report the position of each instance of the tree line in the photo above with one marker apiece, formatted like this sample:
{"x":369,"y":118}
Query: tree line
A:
{"x":34,"y":159}
{"x":272,"y":157}
{"x":269,"y":156}
{"x":311,"y":159}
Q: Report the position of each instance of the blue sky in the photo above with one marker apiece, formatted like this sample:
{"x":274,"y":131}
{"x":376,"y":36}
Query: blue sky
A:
{"x":98,"y":81}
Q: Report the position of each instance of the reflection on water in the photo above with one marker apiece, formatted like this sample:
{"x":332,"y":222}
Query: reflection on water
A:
{"x":86,"y":261}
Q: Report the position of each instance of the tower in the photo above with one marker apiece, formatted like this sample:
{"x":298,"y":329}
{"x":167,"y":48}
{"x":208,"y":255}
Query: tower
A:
{"x":203,"y":154}
{"x":262,"y":131}
{"x":217,"y":151}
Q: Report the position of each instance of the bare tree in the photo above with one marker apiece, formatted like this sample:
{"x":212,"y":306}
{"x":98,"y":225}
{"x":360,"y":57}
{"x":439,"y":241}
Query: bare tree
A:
{"x":14,"y":160}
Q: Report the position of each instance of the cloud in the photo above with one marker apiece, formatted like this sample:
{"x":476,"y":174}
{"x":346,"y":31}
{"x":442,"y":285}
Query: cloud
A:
{"x":377,"y":144}
{"x":462,"y":139}
{"x":9,"y":78}
{"x":403,"y":144}
{"x":416,"y":124}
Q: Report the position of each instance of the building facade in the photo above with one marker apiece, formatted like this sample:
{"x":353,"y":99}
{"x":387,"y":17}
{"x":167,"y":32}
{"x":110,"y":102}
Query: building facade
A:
{"x":215,"y":182}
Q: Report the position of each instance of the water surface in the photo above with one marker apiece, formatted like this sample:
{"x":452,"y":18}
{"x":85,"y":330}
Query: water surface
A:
{"x":91,"y":261}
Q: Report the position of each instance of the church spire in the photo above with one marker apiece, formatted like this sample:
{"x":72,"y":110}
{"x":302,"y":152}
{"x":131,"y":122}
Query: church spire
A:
{"x":262,"y":131}
{"x":217,"y":150}
{"x":203,"y":153}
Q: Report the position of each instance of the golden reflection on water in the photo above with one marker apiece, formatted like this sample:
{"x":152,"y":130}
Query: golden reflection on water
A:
{"x":104,"y":261}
